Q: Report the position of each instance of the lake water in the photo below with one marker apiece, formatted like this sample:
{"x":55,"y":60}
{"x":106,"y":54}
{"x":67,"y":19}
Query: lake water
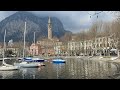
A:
{"x":72,"y":69}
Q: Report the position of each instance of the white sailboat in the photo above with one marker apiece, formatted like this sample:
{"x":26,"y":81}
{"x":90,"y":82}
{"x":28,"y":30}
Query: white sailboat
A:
{"x":34,"y":59}
{"x":5,"y":66}
{"x":24,"y":63}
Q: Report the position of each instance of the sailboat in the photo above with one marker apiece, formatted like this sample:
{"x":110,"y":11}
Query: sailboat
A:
{"x":34,"y":59}
{"x":5,"y":66}
{"x":24,"y":63}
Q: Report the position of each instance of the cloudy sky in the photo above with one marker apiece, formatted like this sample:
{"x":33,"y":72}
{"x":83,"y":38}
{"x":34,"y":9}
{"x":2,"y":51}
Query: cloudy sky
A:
{"x":72,"y":20}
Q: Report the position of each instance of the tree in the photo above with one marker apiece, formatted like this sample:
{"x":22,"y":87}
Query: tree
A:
{"x":66,"y":37}
{"x":8,"y":53}
{"x":116,"y":29}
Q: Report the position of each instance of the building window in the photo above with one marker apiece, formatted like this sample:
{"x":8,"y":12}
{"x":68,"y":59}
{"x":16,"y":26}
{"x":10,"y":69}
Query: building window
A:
{"x":107,"y":44}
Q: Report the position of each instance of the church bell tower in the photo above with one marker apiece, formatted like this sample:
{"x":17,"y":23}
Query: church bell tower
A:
{"x":49,"y":29}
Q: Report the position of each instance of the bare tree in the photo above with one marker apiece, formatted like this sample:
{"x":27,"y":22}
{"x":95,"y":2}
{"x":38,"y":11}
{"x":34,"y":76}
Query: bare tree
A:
{"x":66,"y":37}
{"x":116,"y":29}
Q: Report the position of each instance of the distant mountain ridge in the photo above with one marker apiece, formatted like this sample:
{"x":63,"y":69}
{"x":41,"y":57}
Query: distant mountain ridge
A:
{"x":14,"y":26}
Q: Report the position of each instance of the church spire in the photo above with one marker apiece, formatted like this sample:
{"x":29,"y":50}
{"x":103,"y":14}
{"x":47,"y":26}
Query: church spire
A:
{"x":49,"y":29}
{"x":49,"y":21}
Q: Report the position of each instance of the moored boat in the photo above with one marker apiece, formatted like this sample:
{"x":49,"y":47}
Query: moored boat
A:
{"x":8,"y":68}
{"x":27,"y":65}
{"x":38,"y":59}
{"x":24,"y":63}
{"x":34,"y":59}
{"x":58,"y":61}
{"x":5,"y":66}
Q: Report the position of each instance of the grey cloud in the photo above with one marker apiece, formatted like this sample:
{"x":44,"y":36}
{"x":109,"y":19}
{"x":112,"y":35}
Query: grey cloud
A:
{"x":72,"y":20}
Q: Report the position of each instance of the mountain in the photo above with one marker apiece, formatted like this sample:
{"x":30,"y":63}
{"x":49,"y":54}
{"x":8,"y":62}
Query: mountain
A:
{"x":14,"y":26}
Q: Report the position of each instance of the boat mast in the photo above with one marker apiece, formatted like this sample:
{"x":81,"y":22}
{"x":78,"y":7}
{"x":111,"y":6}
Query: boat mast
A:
{"x":24,"y":41}
{"x":4,"y":48}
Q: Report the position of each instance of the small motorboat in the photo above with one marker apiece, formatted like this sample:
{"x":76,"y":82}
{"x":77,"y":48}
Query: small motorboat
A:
{"x":34,"y":60}
{"x":38,"y":60}
{"x":58,"y":61}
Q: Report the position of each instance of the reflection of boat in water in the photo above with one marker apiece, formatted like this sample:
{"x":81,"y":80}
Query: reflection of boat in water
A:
{"x":6,"y":74}
{"x":28,"y":73}
{"x":58,"y":67}
{"x":58,"y":60}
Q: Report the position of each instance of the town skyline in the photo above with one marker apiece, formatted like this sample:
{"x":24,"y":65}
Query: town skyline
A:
{"x":74,"y":21}
{"x":59,"y":54}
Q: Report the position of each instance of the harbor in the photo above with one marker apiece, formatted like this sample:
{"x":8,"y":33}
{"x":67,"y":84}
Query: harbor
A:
{"x":73,"y":69}
{"x":39,"y":47}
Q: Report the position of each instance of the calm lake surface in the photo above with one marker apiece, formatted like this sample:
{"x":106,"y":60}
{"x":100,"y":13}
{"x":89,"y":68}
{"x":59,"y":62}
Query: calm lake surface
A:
{"x":72,"y":69}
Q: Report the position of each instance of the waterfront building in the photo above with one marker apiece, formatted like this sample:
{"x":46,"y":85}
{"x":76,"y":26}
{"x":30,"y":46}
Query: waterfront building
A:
{"x":35,"y":49}
{"x":97,"y":46}
{"x":60,"y":49}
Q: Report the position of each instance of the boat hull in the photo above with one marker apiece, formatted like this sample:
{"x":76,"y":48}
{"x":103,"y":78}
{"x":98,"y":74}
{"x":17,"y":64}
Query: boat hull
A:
{"x":58,"y":61}
{"x":27,"y":58}
{"x":27,"y":65}
{"x":8,"y":68}
{"x":34,"y":60}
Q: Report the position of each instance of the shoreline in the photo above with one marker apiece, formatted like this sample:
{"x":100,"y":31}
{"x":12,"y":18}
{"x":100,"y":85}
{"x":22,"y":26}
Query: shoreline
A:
{"x":98,"y":58}
{"x":94,"y":58}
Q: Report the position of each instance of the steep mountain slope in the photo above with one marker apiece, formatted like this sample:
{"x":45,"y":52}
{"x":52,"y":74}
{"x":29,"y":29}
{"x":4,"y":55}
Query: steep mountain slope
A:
{"x":14,"y":26}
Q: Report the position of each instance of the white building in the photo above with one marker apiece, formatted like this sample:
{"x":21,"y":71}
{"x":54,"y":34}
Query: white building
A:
{"x":100,"y":45}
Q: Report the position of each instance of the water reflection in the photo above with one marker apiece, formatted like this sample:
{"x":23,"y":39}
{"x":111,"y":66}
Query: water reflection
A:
{"x":6,"y":74}
{"x":28,"y":73}
{"x":87,"y":69}
{"x":58,"y":68}
{"x":72,"y":69}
